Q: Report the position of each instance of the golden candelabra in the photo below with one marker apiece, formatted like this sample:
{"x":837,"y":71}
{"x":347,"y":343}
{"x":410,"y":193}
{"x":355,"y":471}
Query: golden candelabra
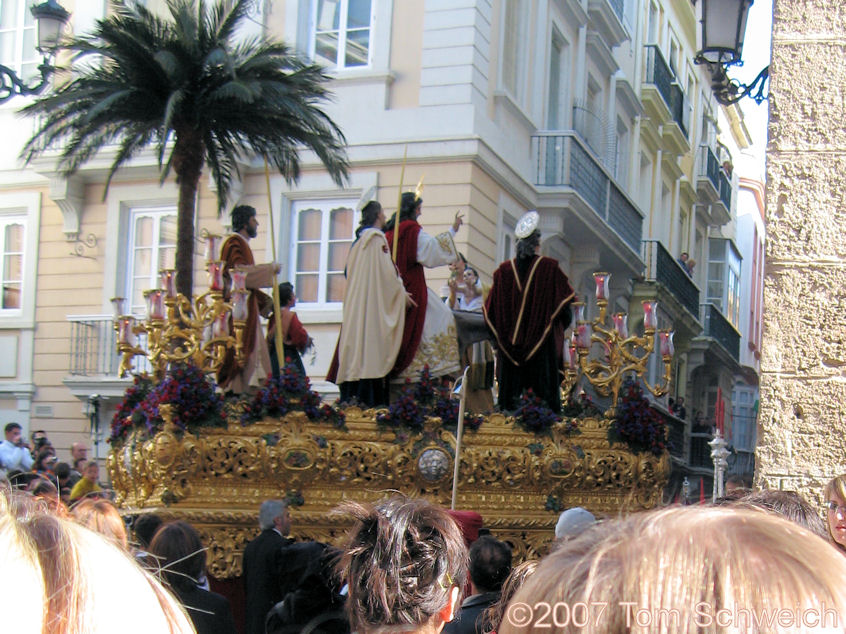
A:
{"x":623,"y":353}
{"x":178,"y":329}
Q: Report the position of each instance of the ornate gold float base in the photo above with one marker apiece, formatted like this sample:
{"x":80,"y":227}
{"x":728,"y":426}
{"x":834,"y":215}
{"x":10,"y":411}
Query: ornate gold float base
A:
{"x":217,"y":480}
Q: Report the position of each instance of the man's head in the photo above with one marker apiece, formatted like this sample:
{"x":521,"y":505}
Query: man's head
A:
{"x":490,"y":564}
{"x":275,"y":514}
{"x":244,"y":220}
{"x":286,"y":294}
{"x":144,"y":527}
{"x":91,"y":471}
{"x":683,"y":257}
{"x":79,"y":451}
{"x":13,"y":433}
{"x":79,"y":464}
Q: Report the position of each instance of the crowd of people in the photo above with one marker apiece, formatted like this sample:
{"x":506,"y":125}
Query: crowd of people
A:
{"x":34,"y":466}
{"x":760,"y":561}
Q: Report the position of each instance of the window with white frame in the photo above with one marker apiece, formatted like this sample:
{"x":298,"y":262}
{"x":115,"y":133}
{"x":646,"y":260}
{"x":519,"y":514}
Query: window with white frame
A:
{"x":652,"y":24}
{"x":723,"y":288}
{"x":342,"y":30}
{"x":13,"y":230}
{"x":152,"y":247}
{"x":322,"y":232}
{"x":18,"y":37}
{"x":513,"y":47}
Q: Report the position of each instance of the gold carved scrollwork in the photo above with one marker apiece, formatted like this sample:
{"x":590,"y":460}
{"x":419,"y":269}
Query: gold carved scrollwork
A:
{"x":218,"y":479}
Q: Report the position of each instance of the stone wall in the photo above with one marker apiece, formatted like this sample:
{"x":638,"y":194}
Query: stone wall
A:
{"x":801,"y":441}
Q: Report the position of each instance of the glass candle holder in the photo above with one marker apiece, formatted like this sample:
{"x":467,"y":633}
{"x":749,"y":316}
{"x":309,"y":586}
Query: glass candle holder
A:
{"x":155,"y":303}
{"x":215,"y":270}
{"x":601,"y":280}
{"x":239,"y":279}
{"x":125,"y":334}
{"x":621,"y":324}
{"x":239,"y":304}
{"x":220,"y":326}
{"x":168,"y":279}
{"x":212,"y":247}
{"x":118,"y":304}
{"x":666,"y":343}
{"x":650,"y":314}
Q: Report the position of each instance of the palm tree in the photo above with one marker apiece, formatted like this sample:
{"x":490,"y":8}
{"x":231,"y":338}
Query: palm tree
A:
{"x":186,"y":85}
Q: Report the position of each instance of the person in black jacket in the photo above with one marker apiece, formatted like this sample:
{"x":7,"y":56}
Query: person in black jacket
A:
{"x":181,"y":560}
{"x":312,"y":601}
{"x":262,"y":563}
{"x":490,"y":565}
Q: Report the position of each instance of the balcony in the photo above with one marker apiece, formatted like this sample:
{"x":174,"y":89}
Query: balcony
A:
{"x":663,"y":268}
{"x":700,"y":451}
{"x":606,"y":17}
{"x":676,"y":129}
{"x":718,"y":328}
{"x":93,"y":349}
{"x":657,"y":90}
{"x":564,"y":160}
{"x":713,"y":186}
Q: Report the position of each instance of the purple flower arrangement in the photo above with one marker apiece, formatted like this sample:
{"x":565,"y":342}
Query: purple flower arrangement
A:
{"x":533,"y":415}
{"x":124,"y":419}
{"x":636,"y":423}
{"x":290,"y":391}
{"x":423,"y":399}
{"x":193,"y":398}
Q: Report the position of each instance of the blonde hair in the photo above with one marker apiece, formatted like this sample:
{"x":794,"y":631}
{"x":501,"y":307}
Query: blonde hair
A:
{"x":836,"y":486}
{"x":101,"y":516}
{"x":686,"y":569}
{"x":53,"y":569}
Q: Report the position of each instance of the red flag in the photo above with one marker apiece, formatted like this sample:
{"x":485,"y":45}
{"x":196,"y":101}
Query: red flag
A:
{"x":702,"y":490}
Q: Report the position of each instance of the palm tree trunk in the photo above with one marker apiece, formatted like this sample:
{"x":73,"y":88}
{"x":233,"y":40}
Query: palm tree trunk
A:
{"x":188,"y":164}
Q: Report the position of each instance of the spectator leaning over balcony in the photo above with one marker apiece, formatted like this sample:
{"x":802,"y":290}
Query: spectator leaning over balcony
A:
{"x":14,"y":452}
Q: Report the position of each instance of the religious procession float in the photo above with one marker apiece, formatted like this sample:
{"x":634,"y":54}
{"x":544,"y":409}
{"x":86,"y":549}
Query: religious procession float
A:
{"x":180,"y":449}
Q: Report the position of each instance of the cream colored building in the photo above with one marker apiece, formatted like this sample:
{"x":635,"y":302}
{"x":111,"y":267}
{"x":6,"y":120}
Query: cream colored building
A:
{"x":590,"y":111}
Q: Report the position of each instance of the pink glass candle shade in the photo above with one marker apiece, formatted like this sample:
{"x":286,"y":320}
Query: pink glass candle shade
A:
{"x":168,"y":278}
{"x":118,"y":306}
{"x":239,"y":279}
{"x":650,"y":314}
{"x":125,"y":334}
{"x":582,"y":336}
{"x":239,"y":304}
{"x":666,"y":341}
{"x":220,"y":327}
{"x":570,"y":355}
{"x":155,"y":303}
{"x":578,"y":312}
{"x":212,"y":247}
{"x":621,"y":324}
{"x":215,"y":270}
{"x":601,"y":280}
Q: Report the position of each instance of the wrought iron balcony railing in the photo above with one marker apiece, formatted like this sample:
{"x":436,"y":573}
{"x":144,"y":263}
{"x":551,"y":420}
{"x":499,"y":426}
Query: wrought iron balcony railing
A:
{"x":93,"y":350}
{"x":700,"y":451}
{"x":678,"y":108}
{"x":725,"y":189}
{"x":716,"y":326}
{"x":659,"y":73}
{"x":562,"y":160}
{"x":709,"y":166}
{"x":663,"y":268}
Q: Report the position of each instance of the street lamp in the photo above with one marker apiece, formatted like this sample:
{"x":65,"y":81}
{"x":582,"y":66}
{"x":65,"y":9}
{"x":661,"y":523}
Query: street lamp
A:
{"x":723,"y":29}
{"x":50,"y":18}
